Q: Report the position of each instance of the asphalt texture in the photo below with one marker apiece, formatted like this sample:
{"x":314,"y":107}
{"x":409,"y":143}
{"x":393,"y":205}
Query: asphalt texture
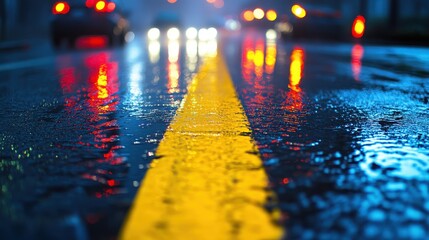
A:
{"x":347,"y":147}
{"x":74,"y":146}
{"x":342,"y":129}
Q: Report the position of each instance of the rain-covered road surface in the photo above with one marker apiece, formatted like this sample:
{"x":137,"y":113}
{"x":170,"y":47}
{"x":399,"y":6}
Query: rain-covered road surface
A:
{"x":342,"y":130}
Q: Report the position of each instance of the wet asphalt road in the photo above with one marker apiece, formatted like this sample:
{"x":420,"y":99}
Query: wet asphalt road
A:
{"x":342,"y":129}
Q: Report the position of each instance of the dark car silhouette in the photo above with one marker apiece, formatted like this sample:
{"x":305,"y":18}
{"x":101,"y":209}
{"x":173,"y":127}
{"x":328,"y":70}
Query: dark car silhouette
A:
{"x":76,"y":18}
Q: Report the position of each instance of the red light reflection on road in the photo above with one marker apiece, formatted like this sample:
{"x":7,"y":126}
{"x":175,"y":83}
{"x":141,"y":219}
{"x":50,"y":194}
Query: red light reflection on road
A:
{"x":259,"y":58}
{"x":97,"y":97}
{"x":67,"y":80}
{"x":103,"y":80}
{"x":270,"y":58}
{"x":248,"y":54}
{"x":293,"y":102}
{"x":356,"y":60}
{"x":257,"y":64}
{"x":103,"y":101}
{"x":296,"y":69}
{"x":293,"y":98}
{"x":68,"y":84}
{"x":285,"y":181}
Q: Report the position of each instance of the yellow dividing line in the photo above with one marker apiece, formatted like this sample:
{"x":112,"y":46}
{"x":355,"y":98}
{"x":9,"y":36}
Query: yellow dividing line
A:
{"x":208,"y":182}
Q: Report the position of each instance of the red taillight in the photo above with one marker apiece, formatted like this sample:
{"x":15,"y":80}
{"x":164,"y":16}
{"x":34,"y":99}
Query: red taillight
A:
{"x":103,"y":6}
{"x":358,"y":27}
{"x":111,"y":6}
{"x":90,"y":3}
{"x":61,"y":8}
{"x":100,"y":6}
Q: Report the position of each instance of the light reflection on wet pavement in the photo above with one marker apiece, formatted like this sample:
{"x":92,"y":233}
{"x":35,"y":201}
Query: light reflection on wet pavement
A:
{"x":342,"y":129}
{"x":73,"y":153}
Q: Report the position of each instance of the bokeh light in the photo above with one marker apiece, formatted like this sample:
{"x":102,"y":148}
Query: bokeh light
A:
{"x":271,"y":15}
{"x":111,"y":6}
{"x":358,"y":28}
{"x":248,"y":16}
{"x":191,"y":33}
{"x":211,"y":33}
{"x":218,"y":4}
{"x":60,"y":7}
{"x":271,"y":34}
{"x":100,"y":5}
{"x":202,"y":34}
{"x":173,"y":33}
{"x":298,"y":11}
{"x":153,"y":33}
{"x":258,"y":13}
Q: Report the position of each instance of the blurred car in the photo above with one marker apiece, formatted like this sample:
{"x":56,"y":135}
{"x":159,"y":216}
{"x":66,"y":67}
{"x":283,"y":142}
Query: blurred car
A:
{"x":77,"y":18}
{"x":303,"y":19}
{"x":319,"y":21}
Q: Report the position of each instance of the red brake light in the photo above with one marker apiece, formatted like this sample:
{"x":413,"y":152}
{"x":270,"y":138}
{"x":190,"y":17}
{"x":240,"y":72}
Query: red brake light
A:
{"x":90,"y":3}
{"x":111,"y":6}
{"x":358,"y":27}
{"x":103,"y":6}
{"x":61,"y":8}
{"x":100,"y":6}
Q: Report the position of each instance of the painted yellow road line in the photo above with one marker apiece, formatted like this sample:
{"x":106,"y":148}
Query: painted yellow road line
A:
{"x":208,"y":182}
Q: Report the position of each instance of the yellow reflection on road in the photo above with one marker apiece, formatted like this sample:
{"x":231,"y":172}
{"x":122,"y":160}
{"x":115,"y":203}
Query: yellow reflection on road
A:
{"x":296,"y":69}
{"x":271,"y":57}
{"x":102,"y":82}
{"x":258,"y":57}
